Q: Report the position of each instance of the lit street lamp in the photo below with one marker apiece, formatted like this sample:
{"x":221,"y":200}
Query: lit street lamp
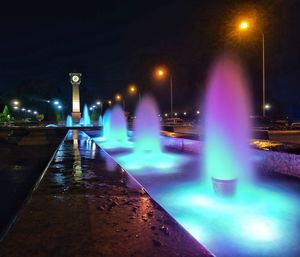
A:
{"x":244,"y":25}
{"x":161,"y":73}
{"x":118,"y":98}
{"x":132,"y":89}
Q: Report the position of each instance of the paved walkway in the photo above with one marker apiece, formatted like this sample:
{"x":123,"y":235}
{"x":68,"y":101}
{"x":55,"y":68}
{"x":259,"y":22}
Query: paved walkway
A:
{"x":86,"y":205}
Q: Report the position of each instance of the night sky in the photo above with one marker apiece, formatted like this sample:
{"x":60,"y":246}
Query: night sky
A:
{"x":117,"y":43}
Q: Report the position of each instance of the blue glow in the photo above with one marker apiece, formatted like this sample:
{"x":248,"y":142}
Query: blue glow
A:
{"x":106,"y":124}
{"x":86,"y":116}
{"x":69,"y":121}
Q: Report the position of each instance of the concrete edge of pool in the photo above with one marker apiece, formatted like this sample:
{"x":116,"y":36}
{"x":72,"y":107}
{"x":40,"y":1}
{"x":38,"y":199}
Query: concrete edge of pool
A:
{"x":87,"y":205}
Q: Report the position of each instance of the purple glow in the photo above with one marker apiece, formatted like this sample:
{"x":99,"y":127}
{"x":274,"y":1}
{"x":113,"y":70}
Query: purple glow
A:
{"x":227,"y":122}
{"x":147,"y":127}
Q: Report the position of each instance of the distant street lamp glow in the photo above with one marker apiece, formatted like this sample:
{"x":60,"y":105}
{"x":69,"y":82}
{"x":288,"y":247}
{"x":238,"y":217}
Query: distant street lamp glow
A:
{"x":175,"y":114}
{"x":244,"y":25}
{"x":94,"y":106}
{"x":198,"y":112}
{"x":98,"y":103}
{"x":16,"y":102}
{"x":91,"y":108}
{"x":16,"y":107}
{"x":132,"y":89}
{"x":59,"y":107}
{"x":118,"y":97}
{"x":29,"y":110}
{"x":166,"y":115}
{"x":109,"y":102}
{"x":267,"y":107}
{"x":56,"y":102}
{"x":23,"y":109}
{"x":184,"y":113}
{"x":35,"y":112}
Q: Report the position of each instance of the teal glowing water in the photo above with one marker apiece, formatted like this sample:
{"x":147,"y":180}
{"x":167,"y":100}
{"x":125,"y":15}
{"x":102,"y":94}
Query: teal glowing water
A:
{"x":118,"y":126}
{"x":100,"y":121}
{"x":261,"y":220}
{"x":227,"y":123}
{"x":147,"y":129}
{"x":69,"y":121}
{"x":106,"y":124}
{"x":86,"y":116}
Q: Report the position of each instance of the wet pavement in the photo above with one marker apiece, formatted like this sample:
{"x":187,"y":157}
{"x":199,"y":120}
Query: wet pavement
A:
{"x":86,"y":205}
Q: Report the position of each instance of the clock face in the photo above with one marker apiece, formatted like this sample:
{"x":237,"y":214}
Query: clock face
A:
{"x":75,"y":78}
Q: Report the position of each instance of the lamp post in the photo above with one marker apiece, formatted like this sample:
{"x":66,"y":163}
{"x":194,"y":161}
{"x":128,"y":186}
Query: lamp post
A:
{"x":244,"y":25}
{"x":161,"y":73}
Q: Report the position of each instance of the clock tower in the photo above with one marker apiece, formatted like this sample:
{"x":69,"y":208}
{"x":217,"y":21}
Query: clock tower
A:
{"x":75,"y":79}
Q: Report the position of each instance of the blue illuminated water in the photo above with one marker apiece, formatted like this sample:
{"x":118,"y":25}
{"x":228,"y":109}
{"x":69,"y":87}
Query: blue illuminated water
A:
{"x":69,"y":121}
{"x":100,"y":121}
{"x":86,"y":116}
{"x":106,"y":124}
{"x":262,"y":220}
{"x":146,"y":128}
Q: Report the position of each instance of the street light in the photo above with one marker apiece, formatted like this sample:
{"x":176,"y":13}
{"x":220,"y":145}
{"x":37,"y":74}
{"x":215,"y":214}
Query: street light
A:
{"x":162,"y":73}
{"x":133,"y":89}
{"x":244,"y":25}
{"x":119,"y":98}
{"x":109,"y":102}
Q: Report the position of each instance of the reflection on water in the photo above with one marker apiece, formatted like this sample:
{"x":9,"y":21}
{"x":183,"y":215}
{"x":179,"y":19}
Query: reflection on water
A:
{"x":77,"y":159}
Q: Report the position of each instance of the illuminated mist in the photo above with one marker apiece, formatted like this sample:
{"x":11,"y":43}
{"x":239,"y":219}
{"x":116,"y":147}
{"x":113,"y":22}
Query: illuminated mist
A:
{"x":118,"y":126}
{"x":147,"y":127}
{"x":86,"y":116}
{"x":106,"y":124}
{"x":100,"y":121}
{"x":69,"y":121}
{"x":227,"y":122}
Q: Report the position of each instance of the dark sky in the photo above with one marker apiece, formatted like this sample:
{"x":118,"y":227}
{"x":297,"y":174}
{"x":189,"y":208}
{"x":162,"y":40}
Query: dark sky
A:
{"x":116,"y":43}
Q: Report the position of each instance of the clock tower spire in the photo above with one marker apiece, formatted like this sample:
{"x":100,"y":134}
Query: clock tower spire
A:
{"x":75,"y":79}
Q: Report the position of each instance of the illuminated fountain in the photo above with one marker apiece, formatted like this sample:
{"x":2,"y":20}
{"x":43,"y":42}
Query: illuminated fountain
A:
{"x":100,"y":121}
{"x":69,"y":121}
{"x":86,"y":116}
{"x":118,"y":127}
{"x":106,"y":124}
{"x":262,"y":219}
{"x":147,"y":128}
{"x":148,"y":157}
{"x":227,"y":126}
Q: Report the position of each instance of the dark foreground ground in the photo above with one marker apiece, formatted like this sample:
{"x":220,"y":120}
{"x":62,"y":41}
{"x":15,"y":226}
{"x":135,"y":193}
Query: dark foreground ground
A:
{"x":86,"y":205}
{"x":21,"y":164}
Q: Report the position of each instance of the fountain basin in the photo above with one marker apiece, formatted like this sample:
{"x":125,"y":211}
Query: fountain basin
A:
{"x":224,"y":187}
